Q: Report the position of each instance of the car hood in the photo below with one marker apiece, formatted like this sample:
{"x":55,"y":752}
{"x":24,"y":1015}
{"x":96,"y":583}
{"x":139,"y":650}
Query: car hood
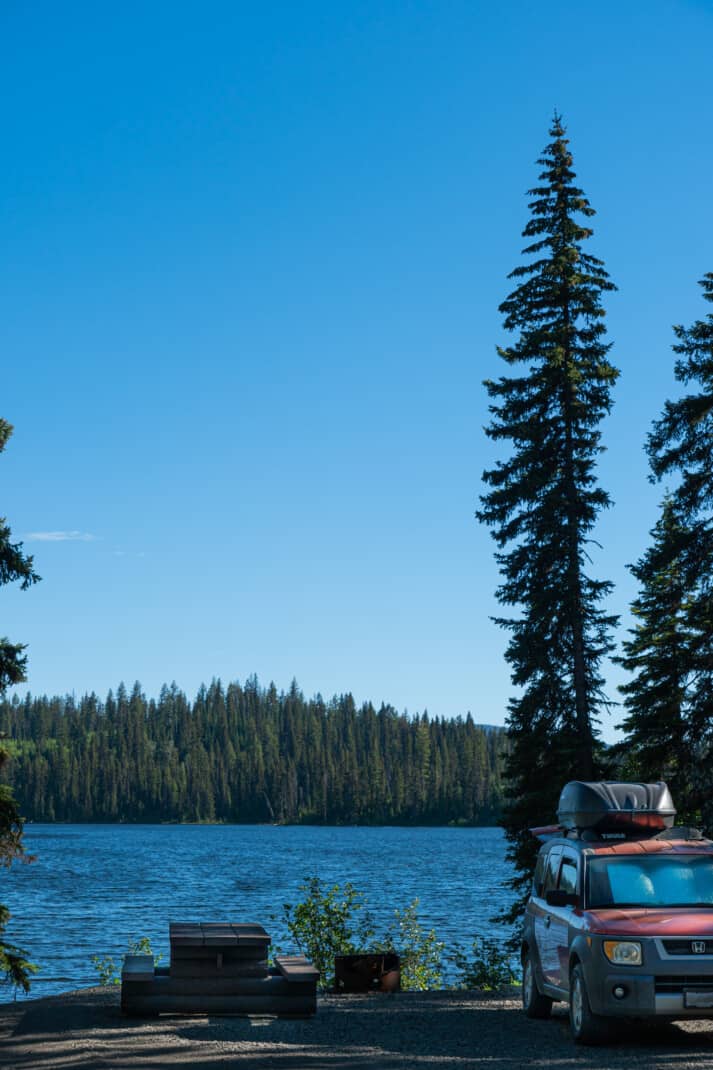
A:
{"x":640,"y":921}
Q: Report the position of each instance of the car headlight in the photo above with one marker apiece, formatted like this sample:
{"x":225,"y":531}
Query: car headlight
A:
{"x":623,"y":952}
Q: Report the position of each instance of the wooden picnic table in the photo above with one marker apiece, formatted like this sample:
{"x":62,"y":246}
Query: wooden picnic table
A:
{"x":220,"y":968}
{"x":218,"y":949}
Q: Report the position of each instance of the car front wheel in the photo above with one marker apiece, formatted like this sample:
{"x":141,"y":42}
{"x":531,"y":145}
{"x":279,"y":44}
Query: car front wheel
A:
{"x":587,"y":1027}
{"x":534,"y":1003}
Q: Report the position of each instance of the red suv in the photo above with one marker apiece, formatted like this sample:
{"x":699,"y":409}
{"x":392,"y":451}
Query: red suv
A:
{"x":620,"y":918}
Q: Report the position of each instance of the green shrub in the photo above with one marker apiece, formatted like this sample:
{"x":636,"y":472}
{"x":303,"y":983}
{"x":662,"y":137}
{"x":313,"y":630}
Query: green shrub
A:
{"x":334,"y":920}
{"x":110,"y":973}
{"x":487,"y":967}
{"x":328,"y":922}
{"x":421,"y":953}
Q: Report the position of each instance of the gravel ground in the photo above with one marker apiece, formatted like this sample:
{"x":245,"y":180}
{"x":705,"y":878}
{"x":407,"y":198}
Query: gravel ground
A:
{"x":424,"y":1030}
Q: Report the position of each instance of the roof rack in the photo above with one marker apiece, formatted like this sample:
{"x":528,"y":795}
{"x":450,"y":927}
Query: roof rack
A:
{"x":545,"y":833}
{"x":681,"y":832}
{"x":685,"y":833}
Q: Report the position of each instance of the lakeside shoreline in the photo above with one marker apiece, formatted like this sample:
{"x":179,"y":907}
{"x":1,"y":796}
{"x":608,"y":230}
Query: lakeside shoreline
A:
{"x":265,"y":824}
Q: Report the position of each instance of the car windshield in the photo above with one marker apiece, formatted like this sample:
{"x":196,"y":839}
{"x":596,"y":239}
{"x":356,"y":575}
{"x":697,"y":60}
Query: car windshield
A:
{"x":650,"y":881}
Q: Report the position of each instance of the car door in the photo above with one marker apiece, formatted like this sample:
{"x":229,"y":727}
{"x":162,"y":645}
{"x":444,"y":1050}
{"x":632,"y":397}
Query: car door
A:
{"x":547,"y":947}
{"x":560,"y":917}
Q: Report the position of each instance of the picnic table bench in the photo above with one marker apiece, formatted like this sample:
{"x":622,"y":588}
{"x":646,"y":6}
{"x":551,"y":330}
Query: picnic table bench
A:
{"x":218,"y":968}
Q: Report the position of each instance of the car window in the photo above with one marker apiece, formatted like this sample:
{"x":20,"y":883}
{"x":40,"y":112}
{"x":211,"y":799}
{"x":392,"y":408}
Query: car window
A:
{"x":651,"y":881}
{"x":568,"y":876}
{"x":553,"y":861}
{"x":539,"y":874}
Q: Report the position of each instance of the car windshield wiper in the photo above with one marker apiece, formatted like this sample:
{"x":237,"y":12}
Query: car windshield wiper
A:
{"x":613,"y":906}
{"x":687,"y":906}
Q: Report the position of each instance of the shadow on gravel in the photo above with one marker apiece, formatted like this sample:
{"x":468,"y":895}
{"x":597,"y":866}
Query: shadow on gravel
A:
{"x":431,"y":1034}
{"x":67,"y":1018}
{"x":430,"y":1031}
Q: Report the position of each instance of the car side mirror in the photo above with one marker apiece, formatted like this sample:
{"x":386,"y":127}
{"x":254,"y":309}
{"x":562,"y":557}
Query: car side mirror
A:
{"x":557,"y":897}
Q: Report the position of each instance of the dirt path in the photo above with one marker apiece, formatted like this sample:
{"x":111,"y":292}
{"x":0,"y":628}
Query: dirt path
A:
{"x":422,"y":1030}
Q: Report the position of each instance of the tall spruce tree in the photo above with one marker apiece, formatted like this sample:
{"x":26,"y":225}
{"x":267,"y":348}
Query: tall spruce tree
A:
{"x":681,"y":445}
{"x":681,"y":442}
{"x":14,"y":566}
{"x":543,"y":502}
{"x":15,"y":968}
{"x":659,"y":655}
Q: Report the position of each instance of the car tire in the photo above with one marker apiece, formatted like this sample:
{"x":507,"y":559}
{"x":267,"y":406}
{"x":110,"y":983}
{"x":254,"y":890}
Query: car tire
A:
{"x":534,"y":1004}
{"x":587,"y":1027}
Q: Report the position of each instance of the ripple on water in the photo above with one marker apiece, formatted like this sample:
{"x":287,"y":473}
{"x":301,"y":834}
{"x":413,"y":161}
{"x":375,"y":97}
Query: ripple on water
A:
{"x":103,"y":885}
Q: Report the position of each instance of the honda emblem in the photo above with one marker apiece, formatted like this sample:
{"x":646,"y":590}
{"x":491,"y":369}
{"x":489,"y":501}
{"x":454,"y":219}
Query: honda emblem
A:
{"x":698,"y":947}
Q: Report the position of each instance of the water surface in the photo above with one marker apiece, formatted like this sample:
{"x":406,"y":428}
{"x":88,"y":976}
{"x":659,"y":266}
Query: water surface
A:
{"x":94,"y":887}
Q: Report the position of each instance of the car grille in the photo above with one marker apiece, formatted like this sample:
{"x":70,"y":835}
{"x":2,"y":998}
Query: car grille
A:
{"x":701,"y":982}
{"x":683,"y":946}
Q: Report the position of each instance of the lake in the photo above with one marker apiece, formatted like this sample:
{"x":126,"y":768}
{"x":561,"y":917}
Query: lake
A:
{"x":94,"y":887}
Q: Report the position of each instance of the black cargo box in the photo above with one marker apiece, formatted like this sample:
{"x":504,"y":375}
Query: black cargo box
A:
{"x":607,"y":806}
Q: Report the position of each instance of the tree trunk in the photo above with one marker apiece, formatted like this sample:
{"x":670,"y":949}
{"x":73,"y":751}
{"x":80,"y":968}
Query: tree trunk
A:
{"x":583,"y":725}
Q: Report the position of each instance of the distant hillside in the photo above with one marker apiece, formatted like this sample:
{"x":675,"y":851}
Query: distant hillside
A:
{"x":248,"y":754}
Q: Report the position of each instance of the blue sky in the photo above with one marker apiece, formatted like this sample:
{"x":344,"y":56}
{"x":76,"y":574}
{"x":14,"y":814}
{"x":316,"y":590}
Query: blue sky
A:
{"x":253,"y":256}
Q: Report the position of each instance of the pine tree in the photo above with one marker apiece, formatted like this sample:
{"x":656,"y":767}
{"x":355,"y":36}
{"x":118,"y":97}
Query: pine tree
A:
{"x":681,"y":444}
{"x":14,"y":566}
{"x":543,"y":502}
{"x":74,"y":760}
{"x":681,"y":441}
{"x":657,"y":746}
